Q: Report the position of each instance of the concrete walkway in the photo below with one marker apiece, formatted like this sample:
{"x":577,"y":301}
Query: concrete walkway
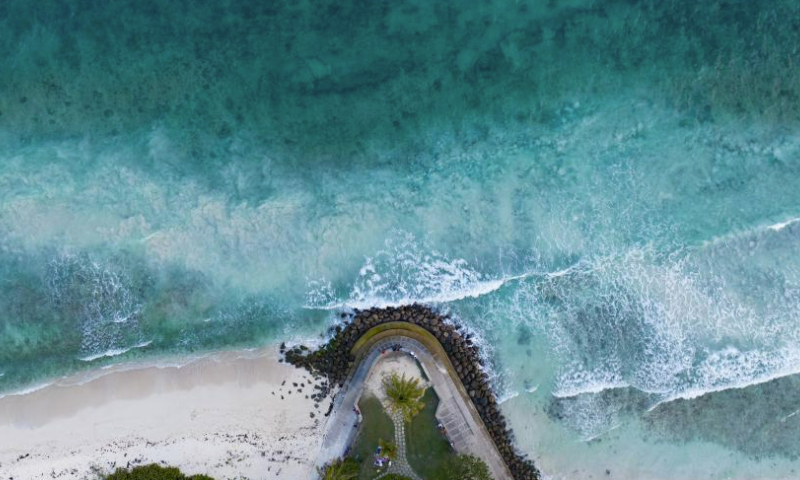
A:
{"x":464,"y":426}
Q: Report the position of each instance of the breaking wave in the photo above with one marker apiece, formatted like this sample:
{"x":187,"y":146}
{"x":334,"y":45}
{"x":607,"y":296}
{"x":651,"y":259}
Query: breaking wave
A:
{"x":114,"y":352}
{"x":406,"y":272}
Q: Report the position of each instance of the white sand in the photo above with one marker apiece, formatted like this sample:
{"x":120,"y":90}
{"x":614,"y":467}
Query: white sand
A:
{"x":392,"y":363}
{"x":216,"y":415}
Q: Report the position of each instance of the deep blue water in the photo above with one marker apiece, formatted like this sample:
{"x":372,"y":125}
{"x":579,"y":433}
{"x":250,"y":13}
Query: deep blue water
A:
{"x":605,"y":191}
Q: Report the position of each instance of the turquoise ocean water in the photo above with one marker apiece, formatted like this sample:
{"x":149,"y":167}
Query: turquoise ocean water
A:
{"x":606,"y":192}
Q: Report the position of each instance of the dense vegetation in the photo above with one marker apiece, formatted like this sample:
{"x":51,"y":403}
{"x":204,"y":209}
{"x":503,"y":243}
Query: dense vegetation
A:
{"x":465,"y":467}
{"x":462,"y":467}
{"x":341,"y":469}
{"x":152,"y":472}
{"x":388,"y":448}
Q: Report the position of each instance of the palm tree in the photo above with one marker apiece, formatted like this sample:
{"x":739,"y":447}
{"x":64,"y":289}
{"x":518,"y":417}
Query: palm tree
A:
{"x":388,"y":449}
{"x":403,"y":395}
{"x":342,"y":469}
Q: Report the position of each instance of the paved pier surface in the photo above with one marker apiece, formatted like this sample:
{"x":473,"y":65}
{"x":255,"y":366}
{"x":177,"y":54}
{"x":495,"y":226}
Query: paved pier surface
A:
{"x":465,"y":429}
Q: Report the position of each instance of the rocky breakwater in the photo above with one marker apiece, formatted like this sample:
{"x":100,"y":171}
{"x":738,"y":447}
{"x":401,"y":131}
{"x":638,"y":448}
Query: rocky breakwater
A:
{"x":335,"y":361}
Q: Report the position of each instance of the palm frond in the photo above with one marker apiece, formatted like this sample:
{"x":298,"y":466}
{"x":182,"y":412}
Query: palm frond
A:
{"x":388,"y":449}
{"x":342,"y":469}
{"x":404,"y":395}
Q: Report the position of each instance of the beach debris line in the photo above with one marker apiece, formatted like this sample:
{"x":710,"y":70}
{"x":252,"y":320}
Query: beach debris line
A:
{"x":334,"y":361}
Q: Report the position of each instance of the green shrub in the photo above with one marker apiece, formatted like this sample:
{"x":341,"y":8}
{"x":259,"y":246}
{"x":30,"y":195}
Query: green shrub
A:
{"x":388,"y":449}
{"x":394,"y":476}
{"x":465,"y":467}
{"x":342,"y":469}
{"x":152,"y":472}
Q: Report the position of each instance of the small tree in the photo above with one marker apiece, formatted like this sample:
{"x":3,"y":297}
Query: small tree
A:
{"x":341,"y":469}
{"x":469,"y":467}
{"x":388,"y":449}
{"x":404,"y":395}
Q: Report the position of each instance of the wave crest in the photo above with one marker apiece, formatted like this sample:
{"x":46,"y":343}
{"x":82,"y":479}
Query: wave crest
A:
{"x":405,"y":272}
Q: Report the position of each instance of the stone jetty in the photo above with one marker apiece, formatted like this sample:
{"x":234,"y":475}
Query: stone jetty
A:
{"x":335,"y":360}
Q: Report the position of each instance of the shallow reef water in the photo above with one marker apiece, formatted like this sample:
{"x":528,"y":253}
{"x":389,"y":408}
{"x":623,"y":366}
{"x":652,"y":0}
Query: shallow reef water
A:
{"x":604,"y":192}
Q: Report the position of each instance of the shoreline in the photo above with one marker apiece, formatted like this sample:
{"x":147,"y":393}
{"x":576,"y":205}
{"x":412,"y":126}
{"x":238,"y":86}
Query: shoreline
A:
{"x":228,"y":414}
{"x":164,"y":360}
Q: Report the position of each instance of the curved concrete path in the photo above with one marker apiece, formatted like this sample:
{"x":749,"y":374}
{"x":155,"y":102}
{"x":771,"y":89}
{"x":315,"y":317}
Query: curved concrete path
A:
{"x":465,"y":429}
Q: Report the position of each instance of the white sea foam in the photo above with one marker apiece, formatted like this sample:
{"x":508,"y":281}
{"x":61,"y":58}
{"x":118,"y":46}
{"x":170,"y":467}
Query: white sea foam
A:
{"x":657,"y":321}
{"x":731,"y":369}
{"x":506,"y":396}
{"x":587,"y":387}
{"x":412,"y":277}
{"x":600,"y":434}
{"x":656,"y":325}
{"x":752,"y":232}
{"x":363,"y":302}
{"x":665,"y":301}
{"x":163,"y":362}
{"x":780,"y":226}
{"x":27,"y":390}
{"x":114,"y":352}
{"x":787,"y":417}
{"x":406,"y":272}
{"x":590,"y":415}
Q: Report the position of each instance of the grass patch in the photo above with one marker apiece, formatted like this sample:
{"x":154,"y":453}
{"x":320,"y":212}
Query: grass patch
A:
{"x":375,"y":425}
{"x":152,"y":472}
{"x":427,"y":450}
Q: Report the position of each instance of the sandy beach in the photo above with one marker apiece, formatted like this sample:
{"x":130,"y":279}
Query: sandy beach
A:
{"x":229,"y":415}
{"x":395,"y":363}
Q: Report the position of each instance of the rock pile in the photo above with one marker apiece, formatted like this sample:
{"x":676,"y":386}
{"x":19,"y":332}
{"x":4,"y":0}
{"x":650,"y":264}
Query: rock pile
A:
{"x":334,"y":361}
